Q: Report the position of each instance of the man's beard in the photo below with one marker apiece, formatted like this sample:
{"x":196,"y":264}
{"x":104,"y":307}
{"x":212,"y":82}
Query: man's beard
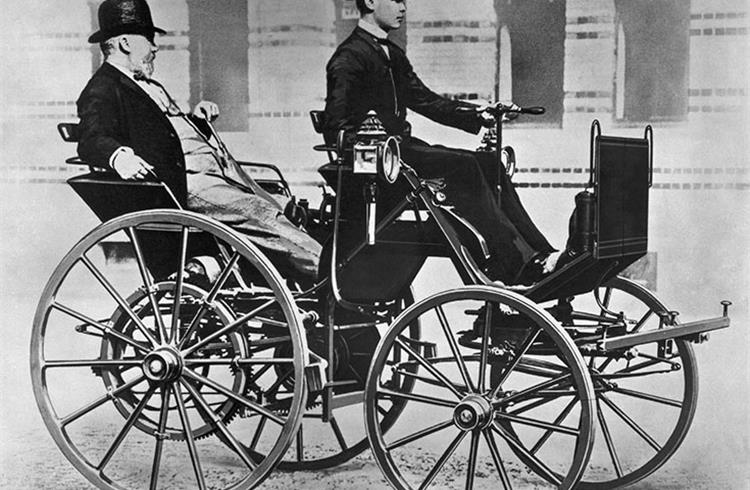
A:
{"x":143,"y":68}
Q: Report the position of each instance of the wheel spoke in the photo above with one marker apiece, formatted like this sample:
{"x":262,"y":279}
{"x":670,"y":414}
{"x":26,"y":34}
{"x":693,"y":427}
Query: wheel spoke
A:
{"x":558,"y":420}
{"x":497,"y":459}
{"x":125,"y":429}
{"x":419,"y":434}
{"x":238,"y":322}
{"x":259,"y":374}
{"x":99,"y":401}
{"x":518,"y":446}
{"x":441,"y":462}
{"x":147,"y":284}
{"x":271,"y":361}
{"x":205,"y":304}
{"x":554,"y":427}
{"x":159,"y":436}
{"x":454,"y":348}
{"x":386,"y":393}
{"x":218,"y":423}
{"x":536,"y":404}
{"x":258,"y":432}
{"x":175,"y":328}
{"x":642,"y":321}
{"x":300,"y":444}
{"x":337,"y":432}
{"x":234,"y":396}
{"x":119,"y":299}
{"x":430,"y":368}
{"x":426,"y":380}
{"x":106,"y":330}
{"x":648,"y":396}
{"x":484,"y":352}
{"x":280,"y":380}
{"x":472,"y":467}
{"x":630,"y":422}
{"x":530,"y":391}
{"x":608,"y":440}
{"x":189,"y":438}
{"x":521,"y":353}
{"x":92,"y":363}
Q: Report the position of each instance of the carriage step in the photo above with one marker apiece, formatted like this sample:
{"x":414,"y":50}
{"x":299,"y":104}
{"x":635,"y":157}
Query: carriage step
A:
{"x":690,"y":331}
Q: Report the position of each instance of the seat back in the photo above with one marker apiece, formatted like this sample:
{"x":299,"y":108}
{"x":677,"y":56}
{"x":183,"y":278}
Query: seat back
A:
{"x":317,"y":121}
{"x":621,"y":176}
{"x":622,"y":184}
{"x":69,"y":132}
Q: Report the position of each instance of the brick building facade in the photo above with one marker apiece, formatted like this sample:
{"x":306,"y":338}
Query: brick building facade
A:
{"x":263,"y":61}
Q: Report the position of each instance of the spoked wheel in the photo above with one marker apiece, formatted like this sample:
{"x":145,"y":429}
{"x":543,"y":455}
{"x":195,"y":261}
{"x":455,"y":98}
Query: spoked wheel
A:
{"x":645,"y":397}
{"x":483,"y":400}
{"x":228,"y":346}
{"x":147,"y":381}
{"x":332,"y":430}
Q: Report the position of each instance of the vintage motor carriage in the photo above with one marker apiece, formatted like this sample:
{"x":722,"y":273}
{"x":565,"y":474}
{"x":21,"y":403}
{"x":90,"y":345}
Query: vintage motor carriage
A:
{"x":151,"y":372}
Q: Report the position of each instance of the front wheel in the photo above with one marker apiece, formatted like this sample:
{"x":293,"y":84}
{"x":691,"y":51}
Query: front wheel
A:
{"x":488,"y":375}
{"x":646,"y":397}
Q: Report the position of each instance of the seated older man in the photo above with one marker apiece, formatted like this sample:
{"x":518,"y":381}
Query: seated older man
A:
{"x":130,"y":124}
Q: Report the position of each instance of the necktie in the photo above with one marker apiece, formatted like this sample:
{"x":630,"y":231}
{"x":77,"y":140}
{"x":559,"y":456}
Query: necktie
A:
{"x":384,"y":43}
{"x":160,"y":95}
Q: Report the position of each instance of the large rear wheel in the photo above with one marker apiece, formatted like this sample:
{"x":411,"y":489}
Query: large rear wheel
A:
{"x":147,"y":381}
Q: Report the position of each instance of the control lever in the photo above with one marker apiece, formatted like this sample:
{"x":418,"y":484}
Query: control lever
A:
{"x":371,"y":198}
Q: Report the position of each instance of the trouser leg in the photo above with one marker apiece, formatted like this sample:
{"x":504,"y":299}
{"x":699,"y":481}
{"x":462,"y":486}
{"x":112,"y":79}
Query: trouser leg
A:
{"x":475,"y":200}
{"x":511,"y":205}
{"x":292,"y":251}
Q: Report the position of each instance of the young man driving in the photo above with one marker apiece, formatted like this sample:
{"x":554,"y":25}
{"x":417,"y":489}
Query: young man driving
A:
{"x":369,"y":73}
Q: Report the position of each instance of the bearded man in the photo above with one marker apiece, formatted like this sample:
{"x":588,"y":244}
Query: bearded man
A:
{"x":130,"y":124}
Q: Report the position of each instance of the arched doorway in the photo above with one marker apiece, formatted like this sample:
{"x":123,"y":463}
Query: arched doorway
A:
{"x":537,"y":37}
{"x":651,"y":79}
{"x":218,"y":59}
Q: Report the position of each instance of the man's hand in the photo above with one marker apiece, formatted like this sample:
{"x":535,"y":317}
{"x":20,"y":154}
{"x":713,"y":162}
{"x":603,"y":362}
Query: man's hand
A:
{"x":487,"y":117}
{"x":206,"y":110}
{"x":130,"y":166}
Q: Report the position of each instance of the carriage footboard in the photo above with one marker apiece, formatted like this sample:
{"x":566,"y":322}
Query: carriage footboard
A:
{"x":694,"y":331}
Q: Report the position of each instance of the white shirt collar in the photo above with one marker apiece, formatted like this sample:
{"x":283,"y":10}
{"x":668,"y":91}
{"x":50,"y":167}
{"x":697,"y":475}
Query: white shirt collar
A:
{"x":124,"y":70}
{"x":154,"y":91}
{"x":372,"y":29}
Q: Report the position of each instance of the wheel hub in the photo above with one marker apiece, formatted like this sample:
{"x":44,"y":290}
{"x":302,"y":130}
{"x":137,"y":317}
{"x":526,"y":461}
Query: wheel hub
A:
{"x":473,"y":412}
{"x":162,"y":365}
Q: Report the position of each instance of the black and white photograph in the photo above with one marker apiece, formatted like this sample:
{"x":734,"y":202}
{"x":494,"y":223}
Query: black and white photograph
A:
{"x":372,"y":244}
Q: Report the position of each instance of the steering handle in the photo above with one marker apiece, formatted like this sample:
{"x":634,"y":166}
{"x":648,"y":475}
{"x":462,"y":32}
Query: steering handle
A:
{"x":535,"y":111}
{"x":501,"y":109}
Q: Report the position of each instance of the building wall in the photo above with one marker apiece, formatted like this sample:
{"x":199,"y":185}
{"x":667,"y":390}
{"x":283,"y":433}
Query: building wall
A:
{"x":719,"y":54}
{"x":589,"y":60}
{"x":452,"y":45}
{"x":289,"y":47}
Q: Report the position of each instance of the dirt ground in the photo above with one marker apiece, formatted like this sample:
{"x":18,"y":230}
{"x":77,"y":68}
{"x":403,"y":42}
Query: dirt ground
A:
{"x":41,"y":222}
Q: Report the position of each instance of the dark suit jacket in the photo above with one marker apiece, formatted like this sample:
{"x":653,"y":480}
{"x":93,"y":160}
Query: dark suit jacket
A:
{"x":360,"y":78}
{"x":115,"y":112}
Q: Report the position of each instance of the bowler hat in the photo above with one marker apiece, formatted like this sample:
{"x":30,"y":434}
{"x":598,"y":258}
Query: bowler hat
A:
{"x":124,"y":17}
